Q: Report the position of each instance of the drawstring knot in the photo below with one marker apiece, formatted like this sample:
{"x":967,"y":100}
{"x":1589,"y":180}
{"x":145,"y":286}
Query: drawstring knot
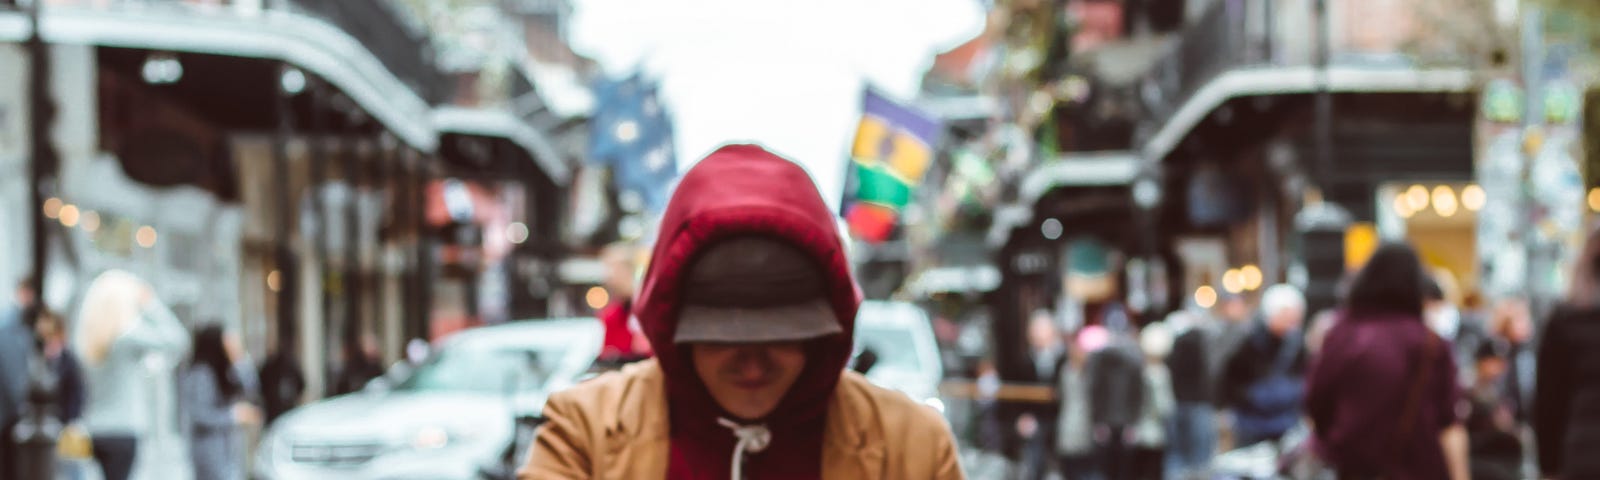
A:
{"x":752,"y":439}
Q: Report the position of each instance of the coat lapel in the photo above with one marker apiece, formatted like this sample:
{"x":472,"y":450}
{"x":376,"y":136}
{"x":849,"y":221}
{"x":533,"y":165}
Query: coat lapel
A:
{"x":635,"y":436}
{"x":849,"y":451}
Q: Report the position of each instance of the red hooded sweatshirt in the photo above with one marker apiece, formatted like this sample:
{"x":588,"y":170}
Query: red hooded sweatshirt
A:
{"x":736,"y":191}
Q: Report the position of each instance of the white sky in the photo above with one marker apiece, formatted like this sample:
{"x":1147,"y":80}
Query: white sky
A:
{"x":786,"y":74}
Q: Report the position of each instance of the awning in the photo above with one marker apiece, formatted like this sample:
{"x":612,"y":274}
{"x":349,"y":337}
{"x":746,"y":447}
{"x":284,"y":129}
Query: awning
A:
{"x":304,"y":41}
{"x":1297,"y":80}
{"x":1087,"y":169}
{"x":501,"y":124}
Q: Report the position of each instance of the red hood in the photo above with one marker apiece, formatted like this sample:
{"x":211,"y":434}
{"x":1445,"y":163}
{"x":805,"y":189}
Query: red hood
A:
{"x":742,"y":190}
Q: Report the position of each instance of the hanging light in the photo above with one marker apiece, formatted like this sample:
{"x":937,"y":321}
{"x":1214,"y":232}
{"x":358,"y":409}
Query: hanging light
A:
{"x":90,"y":221}
{"x":1402,"y":206}
{"x":1205,"y":296}
{"x":1444,"y":201}
{"x":52,"y":208}
{"x":1417,"y":198}
{"x":597,"y":297}
{"x":1051,"y":228}
{"x":161,"y":69}
{"x":293,"y":81}
{"x":69,"y":215}
{"x":1251,"y":275}
{"x":517,"y":232}
{"x":1233,"y":281}
{"x":146,"y":236}
{"x":1473,"y":198}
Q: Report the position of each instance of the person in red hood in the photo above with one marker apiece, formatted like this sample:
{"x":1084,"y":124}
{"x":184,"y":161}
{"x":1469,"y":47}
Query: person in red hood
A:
{"x":750,"y":306}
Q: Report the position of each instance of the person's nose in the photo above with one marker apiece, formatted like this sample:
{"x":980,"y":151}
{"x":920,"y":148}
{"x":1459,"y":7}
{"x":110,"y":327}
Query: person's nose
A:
{"x":752,"y":363}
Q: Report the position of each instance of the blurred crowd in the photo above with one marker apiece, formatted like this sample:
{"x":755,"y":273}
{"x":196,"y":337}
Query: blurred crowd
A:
{"x":106,"y":371}
{"x":1400,"y":380}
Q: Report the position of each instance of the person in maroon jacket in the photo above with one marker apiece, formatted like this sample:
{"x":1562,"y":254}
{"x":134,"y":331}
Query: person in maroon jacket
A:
{"x":1382,"y":393}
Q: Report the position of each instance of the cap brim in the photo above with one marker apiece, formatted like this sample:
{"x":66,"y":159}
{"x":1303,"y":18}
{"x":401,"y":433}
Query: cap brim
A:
{"x":798,"y":322}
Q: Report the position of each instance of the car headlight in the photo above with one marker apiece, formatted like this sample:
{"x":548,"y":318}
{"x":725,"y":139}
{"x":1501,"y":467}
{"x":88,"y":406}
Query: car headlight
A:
{"x":430,"y":438}
{"x":437,"y":437}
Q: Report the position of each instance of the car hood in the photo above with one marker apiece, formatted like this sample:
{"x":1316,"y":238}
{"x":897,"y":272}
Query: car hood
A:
{"x":394,"y":416}
{"x":917,"y":384}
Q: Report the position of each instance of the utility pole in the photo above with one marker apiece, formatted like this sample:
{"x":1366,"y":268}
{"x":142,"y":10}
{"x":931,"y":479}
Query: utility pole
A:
{"x":1532,"y":37}
{"x":35,"y":435}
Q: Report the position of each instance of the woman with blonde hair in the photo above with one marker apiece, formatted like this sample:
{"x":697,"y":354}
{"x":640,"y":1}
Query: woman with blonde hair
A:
{"x":121,"y":322}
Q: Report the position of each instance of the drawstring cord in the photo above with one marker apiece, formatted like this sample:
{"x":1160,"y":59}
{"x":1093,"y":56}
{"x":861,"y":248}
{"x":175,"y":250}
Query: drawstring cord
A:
{"x":752,"y":438}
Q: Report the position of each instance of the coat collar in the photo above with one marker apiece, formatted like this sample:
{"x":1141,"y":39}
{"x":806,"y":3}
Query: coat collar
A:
{"x":639,"y":433}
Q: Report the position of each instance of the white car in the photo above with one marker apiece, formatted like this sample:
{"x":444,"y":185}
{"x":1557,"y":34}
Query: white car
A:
{"x":455,"y":417}
{"x":901,"y":337}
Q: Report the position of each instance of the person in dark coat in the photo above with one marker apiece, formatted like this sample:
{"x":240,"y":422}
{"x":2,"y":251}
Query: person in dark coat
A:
{"x":1116,"y":383}
{"x":282,"y":383}
{"x":1566,"y":422}
{"x":51,"y":331}
{"x":213,"y":406}
{"x":1382,"y":392}
{"x":1496,"y":449}
{"x":1194,"y":430}
{"x":361,"y":365}
{"x":1262,"y":383}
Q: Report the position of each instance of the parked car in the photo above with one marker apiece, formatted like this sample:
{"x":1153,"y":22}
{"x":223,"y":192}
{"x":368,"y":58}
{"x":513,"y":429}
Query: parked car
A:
{"x":904,"y":354}
{"x":455,"y":417}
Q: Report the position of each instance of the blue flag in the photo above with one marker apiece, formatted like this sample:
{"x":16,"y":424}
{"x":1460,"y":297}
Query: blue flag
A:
{"x":632,"y":133}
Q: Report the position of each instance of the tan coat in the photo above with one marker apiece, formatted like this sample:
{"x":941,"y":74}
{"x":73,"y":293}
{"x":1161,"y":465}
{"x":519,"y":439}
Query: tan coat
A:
{"x":615,"y":427}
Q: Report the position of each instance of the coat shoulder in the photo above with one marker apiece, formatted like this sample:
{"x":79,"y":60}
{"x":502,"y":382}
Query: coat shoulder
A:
{"x":901,"y":418}
{"x":612,"y":390}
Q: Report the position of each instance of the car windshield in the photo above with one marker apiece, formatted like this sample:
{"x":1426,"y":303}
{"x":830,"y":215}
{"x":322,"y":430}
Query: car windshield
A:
{"x":492,"y":370}
{"x":894,"y":347}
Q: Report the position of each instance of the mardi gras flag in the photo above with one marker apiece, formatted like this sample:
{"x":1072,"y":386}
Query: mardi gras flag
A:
{"x":893,"y":148}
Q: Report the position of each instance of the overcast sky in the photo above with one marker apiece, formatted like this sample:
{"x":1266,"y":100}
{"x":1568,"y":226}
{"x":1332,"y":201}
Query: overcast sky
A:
{"x":785,"y":74}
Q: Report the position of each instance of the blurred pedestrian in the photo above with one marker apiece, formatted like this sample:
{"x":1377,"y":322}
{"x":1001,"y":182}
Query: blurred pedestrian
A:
{"x":16,"y":350}
{"x":51,"y":331}
{"x":214,"y":406}
{"x":1233,"y":329}
{"x":1492,"y":428}
{"x":283,"y":382}
{"x":1382,"y":394}
{"x":1512,"y":331}
{"x":1440,"y":308}
{"x":1566,"y":422}
{"x":122,"y":323}
{"x":1150,"y":433}
{"x":1116,"y":399}
{"x":362,"y":363}
{"x":1194,"y":428}
{"x":1075,"y":453}
{"x":624,"y":342}
{"x":1263,"y":380}
{"x":750,"y":304}
{"x":1037,"y":424}
{"x":990,"y":433}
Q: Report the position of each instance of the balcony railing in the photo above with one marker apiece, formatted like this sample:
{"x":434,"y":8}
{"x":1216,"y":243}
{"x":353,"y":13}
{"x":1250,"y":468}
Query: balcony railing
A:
{"x":1237,"y":34}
